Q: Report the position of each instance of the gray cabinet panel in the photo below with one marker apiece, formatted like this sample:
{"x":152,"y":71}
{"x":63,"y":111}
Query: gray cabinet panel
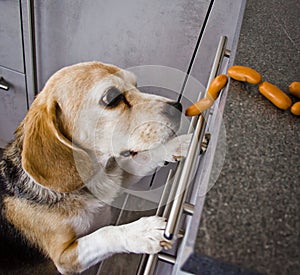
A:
{"x":218,"y":24}
{"x":11,"y":50}
{"x":13,"y":104}
{"x":124,"y":33}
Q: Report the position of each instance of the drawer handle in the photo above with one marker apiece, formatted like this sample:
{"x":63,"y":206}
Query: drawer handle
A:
{"x":3,"y":84}
{"x":182,"y":176}
{"x":187,"y":164}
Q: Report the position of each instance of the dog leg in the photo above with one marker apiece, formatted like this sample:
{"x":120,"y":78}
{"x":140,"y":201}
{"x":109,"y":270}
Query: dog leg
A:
{"x":172,"y":151}
{"x":144,"y":163}
{"x":142,"y":236}
{"x":177,"y":148}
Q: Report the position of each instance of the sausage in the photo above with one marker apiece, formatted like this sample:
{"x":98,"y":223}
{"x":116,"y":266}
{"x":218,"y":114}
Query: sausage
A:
{"x":275,"y":95}
{"x":199,"y":106}
{"x":294,"y":89}
{"x":216,"y":86}
{"x":213,"y":91}
{"x":246,"y":74}
{"x":295,"y":109}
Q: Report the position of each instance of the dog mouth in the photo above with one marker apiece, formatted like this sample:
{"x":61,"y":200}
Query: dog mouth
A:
{"x":128,"y":153}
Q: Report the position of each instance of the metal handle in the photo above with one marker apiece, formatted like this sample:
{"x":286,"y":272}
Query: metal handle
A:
{"x":183,"y":173}
{"x":189,"y":161}
{"x":3,"y":84}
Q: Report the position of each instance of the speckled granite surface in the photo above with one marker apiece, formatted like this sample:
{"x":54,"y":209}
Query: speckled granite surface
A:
{"x":251,"y":216}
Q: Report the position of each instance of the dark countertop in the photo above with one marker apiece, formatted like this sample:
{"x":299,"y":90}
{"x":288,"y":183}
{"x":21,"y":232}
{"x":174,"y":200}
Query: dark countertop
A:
{"x":251,"y":215}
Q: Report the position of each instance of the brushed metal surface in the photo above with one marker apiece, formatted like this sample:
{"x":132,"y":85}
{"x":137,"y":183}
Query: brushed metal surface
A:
{"x":124,"y":33}
{"x":13,"y":104}
{"x":11,"y":48}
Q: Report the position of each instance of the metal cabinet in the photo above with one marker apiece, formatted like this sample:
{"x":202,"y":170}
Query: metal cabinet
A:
{"x":175,"y":41}
{"x":13,"y":103}
{"x":124,"y":33}
{"x":13,"y":99}
{"x":16,"y":86}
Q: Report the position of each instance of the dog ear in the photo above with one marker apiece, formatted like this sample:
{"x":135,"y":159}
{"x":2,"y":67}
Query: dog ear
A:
{"x":48,"y":156}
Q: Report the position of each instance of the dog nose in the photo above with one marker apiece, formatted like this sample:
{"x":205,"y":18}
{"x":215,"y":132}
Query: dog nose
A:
{"x":173,"y":109}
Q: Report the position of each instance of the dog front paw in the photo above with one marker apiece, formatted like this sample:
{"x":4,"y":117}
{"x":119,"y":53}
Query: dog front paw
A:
{"x":145,"y":235}
{"x":177,"y":147}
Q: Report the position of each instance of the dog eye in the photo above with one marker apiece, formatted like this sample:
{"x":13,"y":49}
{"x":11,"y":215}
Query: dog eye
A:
{"x":112,"y":97}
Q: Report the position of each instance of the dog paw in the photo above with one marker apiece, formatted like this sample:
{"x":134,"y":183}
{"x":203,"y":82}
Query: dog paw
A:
{"x":145,"y":235}
{"x":177,"y":148}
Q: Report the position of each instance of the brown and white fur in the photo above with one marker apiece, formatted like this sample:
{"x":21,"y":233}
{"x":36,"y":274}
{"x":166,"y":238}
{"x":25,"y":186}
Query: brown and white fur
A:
{"x":73,"y":152}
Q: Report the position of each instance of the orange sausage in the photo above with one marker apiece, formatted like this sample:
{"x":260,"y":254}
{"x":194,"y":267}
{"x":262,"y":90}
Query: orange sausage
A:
{"x":275,"y":95}
{"x":246,"y":74}
{"x":213,"y":91}
{"x":295,"y":110}
{"x":294,"y":89}
{"x":216,"y":86}
{"x":199,"y":107}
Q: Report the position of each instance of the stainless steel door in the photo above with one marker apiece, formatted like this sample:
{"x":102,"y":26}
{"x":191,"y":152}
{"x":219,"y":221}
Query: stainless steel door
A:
{"x":124,"y":33}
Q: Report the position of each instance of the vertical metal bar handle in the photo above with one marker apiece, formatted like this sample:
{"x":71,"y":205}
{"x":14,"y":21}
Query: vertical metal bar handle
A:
{"x":148,"y":262}
{"x":184,"y":178}
{"x":183,"y":171}
{"x":220,"y":53}
{"x":221,"y":50}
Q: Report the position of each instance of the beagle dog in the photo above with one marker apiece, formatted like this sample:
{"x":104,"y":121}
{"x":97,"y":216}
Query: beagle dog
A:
{"x":85,"y":134}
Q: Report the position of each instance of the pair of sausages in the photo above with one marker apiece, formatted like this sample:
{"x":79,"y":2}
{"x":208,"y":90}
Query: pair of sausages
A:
{"x":246,"y":74}
{"x":270,"y":91}
{"x":294,"y":89}
{"x":279,"y":98}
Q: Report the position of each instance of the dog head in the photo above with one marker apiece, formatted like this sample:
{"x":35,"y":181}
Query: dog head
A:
{"x":91,"y":109}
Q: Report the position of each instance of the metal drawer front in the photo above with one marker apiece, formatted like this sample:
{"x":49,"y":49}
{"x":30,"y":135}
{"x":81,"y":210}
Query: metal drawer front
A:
{"x":11,"y":49}
{"x":13,"y":103}
{"x":124,"y":33}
